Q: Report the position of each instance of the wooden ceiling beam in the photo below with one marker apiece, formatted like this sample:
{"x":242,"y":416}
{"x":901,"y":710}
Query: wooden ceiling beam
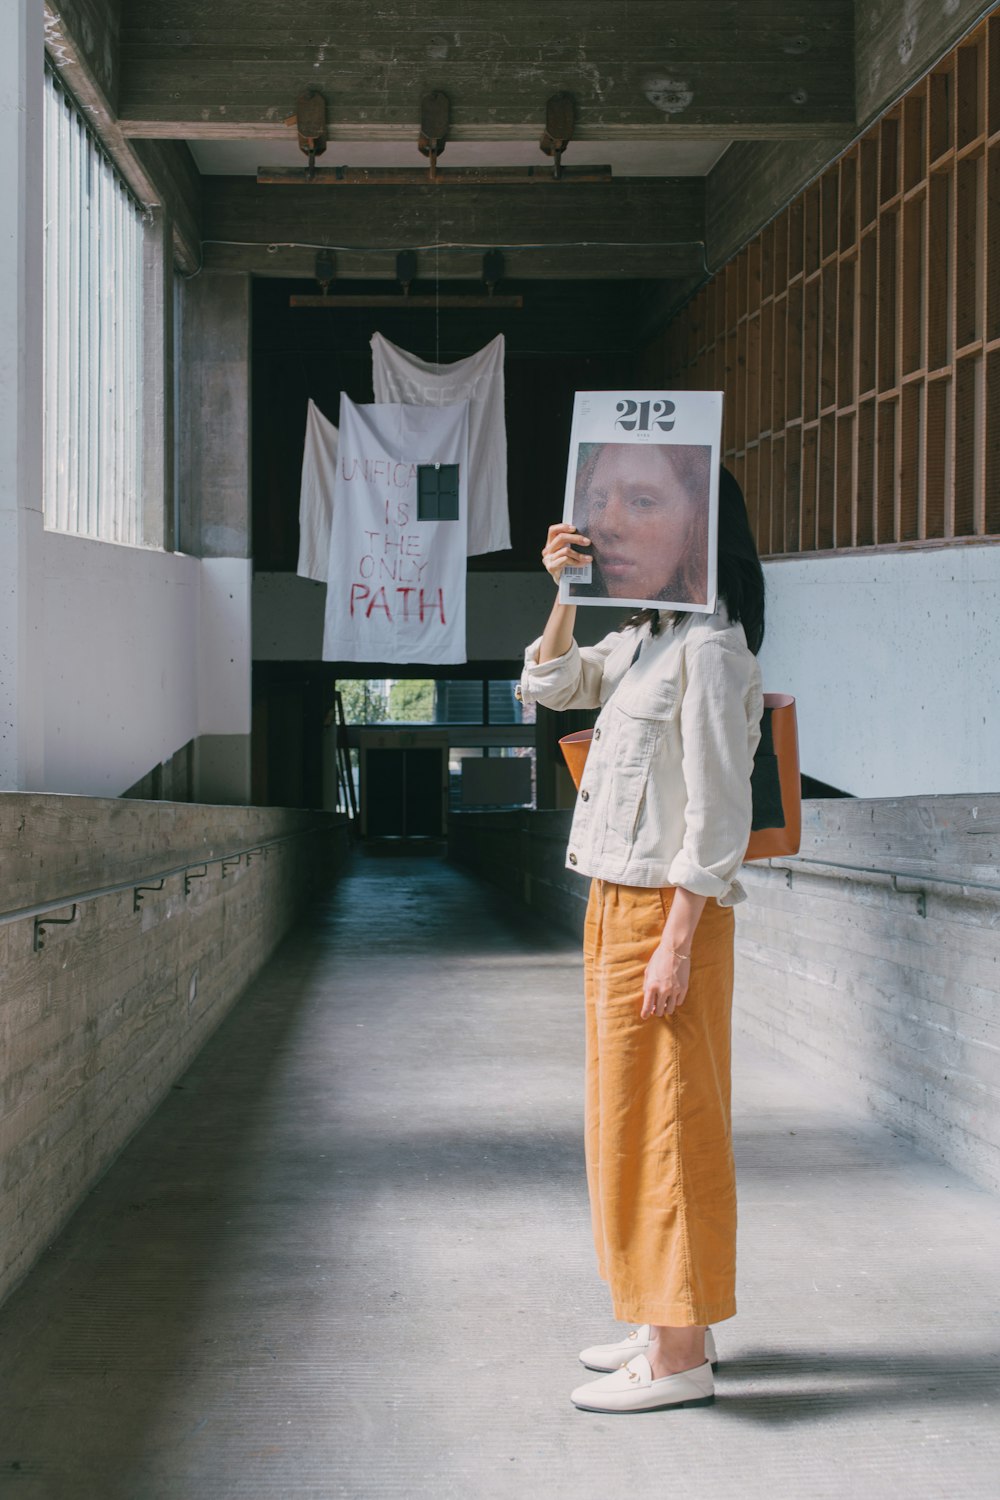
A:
{"x":635,"y":227}
{"x":665,"y":69}
{"x":542,"y":176}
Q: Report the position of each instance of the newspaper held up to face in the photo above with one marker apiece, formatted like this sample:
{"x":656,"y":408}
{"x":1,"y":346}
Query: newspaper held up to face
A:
{"x":643,"y":484}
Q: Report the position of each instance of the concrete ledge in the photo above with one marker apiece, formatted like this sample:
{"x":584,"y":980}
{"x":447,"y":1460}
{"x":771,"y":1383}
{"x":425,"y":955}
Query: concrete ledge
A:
{"x":96,"y":1027}
{"x":872,"y":959}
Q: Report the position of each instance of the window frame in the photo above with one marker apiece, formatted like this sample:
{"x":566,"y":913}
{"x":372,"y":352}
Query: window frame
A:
{"x":96,"y":329}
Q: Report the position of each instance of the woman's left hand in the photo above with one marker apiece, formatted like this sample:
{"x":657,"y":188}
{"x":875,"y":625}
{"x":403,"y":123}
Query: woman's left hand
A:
{"x":666,"y":982}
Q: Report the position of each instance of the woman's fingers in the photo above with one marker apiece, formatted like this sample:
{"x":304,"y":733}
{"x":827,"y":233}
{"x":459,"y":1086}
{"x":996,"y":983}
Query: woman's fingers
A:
{"x":558,"y":552}
{"x":555,"y":557}
{"x":563,"y":528}
{"x":657,"y":1001}
{"x":654,"y":999}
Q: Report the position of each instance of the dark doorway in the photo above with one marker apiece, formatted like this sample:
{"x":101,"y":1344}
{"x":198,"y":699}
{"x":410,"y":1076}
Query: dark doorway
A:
{"x":403,"y":792}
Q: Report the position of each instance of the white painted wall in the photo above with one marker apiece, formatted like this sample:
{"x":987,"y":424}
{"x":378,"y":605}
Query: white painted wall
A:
{"x":895,"y":661}
{"x":140,"y":652}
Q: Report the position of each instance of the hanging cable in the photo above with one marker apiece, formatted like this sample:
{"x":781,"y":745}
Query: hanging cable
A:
{"x":452,"y":247}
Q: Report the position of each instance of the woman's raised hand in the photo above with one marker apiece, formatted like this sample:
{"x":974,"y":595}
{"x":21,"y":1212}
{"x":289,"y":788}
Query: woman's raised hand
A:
{"x":558,"y":552}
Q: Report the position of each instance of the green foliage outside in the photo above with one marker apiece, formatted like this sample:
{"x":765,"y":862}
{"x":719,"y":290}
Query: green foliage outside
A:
{"x":412,"y":700}
{"x":361,"y":705}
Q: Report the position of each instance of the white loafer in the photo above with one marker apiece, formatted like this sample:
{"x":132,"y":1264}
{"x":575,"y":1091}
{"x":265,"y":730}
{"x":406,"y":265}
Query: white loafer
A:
{"x":611,"y":1356}
{"x":632,"y":1388}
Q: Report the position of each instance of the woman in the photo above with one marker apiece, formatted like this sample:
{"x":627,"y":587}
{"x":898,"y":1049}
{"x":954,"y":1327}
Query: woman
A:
{"x":661,"y":825}
{"x":642,"y":509}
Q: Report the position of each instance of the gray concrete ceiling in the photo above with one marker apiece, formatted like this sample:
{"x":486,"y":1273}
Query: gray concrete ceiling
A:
{"x":645,"y":70}
{"x":194,"y":98}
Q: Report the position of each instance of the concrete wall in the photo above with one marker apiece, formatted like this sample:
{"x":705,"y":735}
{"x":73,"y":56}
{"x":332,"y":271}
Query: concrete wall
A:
{"x":96,"y":1027}
{"x":889,"y":987}
{"x":21,"y":79}
{"x":898,"y":41}
{"x":137,"y":653}
{"x":892,"y":657}
{"x":213,"y":417}
{"x":882,"y":977}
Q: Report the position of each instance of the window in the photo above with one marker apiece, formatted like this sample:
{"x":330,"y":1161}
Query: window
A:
{"x":92,"y":474}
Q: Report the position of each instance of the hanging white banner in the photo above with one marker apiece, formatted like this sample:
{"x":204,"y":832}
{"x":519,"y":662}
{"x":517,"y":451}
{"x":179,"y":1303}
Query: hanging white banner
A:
{"x":400,"y":376}
{"x":396,"y":573}
{"x":319,"y":469}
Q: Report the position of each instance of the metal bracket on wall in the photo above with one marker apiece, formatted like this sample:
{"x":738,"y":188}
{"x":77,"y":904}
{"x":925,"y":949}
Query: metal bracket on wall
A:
{"x":406,"y":270}
{"x":921,"y":895}
{"x":560,"y":117}
{"x":882,"y":877}
{"x":39,"y":913}
{"x":493,"y":269}
{"x":139,"y":891}
{"x":325,"y":270}
{"x":309,"y":120}
{"x":42,"y":922}
{"x":435,"y":117}
{"x":231,"y":864}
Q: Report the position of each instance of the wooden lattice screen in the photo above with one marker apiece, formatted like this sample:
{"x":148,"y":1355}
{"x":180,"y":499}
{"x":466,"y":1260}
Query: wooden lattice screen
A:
{"x":857,"y":338}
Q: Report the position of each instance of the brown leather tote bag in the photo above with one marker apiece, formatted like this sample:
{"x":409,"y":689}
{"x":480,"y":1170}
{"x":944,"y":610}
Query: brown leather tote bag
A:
{"x":776,"y":784}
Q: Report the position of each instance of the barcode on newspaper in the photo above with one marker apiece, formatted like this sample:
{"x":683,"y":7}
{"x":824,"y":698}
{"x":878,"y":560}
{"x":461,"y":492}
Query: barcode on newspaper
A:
{"x":581,"y":574}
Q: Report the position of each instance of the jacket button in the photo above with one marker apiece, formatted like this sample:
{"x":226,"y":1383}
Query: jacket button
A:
{"x":572,"y":859}
{"x":597,"y":734}
{"x":585,"y":796}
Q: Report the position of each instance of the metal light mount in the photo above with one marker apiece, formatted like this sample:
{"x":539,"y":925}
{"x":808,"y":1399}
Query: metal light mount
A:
{"x":493,"y":267}
{"x":560,"y":118}
{"x":435,"y":118}
{"x":406,"y":269}
{"x":325,"y":270}
{"x":309,"y":120}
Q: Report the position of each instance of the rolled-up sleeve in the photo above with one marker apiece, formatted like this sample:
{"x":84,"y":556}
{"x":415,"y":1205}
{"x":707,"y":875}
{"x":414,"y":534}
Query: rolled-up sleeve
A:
{"x":717,"y":740}
{"x":572,"y":680}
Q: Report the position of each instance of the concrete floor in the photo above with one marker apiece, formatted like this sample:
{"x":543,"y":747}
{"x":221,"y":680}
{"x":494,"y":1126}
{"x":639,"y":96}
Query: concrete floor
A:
{"x":349,"y":1256}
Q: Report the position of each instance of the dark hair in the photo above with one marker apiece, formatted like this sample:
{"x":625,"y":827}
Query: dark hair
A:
{"x":741,"y":577}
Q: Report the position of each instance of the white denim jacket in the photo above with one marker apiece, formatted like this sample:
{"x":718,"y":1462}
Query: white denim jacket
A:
{"x":665,"y":795}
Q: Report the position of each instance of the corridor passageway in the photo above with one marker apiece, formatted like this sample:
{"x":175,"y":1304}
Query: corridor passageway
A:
{"x":349,"y":1257}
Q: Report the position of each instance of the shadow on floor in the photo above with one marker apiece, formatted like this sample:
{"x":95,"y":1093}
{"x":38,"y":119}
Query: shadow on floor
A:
{"x":808,"y":1385}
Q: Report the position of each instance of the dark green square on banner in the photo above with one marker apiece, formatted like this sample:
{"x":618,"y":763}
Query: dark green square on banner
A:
{"x":437,"y":492}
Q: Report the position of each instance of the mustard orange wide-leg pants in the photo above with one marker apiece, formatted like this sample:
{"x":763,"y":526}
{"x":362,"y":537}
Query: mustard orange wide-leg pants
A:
{"x":657,"y":1115}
